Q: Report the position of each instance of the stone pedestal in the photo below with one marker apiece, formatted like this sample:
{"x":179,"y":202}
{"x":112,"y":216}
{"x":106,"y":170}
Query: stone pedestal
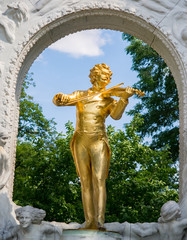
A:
{"x":90,"y":235}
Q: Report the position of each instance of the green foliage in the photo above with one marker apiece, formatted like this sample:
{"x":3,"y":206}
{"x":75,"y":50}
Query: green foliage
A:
{"x":140,"y":179}
{"x":32,"y":122}
{"x":159,"y":107}
{"x":46,"y":178}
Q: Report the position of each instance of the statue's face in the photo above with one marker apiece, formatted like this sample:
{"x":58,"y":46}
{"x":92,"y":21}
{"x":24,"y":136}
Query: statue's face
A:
{"x":101,"y":81}
{"x":25,"y":220}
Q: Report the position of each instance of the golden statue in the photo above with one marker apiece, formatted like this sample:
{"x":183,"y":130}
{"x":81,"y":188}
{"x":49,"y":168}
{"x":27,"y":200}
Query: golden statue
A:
{"x":89,"y":145}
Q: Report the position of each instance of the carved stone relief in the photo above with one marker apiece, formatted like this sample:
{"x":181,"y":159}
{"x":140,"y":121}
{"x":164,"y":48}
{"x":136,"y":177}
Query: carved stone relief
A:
{"x":2,"y":65}
{"x":45,"y":6}
{"x":4,"y":161}
{"x":6,"y":213}
{"x":169,"y":226}
{"x":16,"y":13}
{"x":31,"y":226}
{"x":183,"y":203}
{"x":154,"y":5}
{"x":157,"y":5}
{"x":8,"y":27}
{"x":179,"y":27}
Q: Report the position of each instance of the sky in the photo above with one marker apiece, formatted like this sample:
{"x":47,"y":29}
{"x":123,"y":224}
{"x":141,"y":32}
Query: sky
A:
{"x":65,"y":66}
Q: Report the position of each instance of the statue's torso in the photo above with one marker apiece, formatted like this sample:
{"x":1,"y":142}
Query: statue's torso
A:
{"x":91,"y":114}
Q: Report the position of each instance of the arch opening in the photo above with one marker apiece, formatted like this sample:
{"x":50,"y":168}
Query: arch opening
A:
{"x":105,"y":19}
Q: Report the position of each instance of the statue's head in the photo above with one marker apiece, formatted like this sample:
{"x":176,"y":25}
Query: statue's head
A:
{"x":169,"y":211}
{"x":3,"y":137}
{"x":29,"y":215}
{"x":100,"y":74}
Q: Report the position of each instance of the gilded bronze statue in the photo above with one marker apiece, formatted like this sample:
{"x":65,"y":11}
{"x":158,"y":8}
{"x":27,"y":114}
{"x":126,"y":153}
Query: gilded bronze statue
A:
{"x":89,"y":145}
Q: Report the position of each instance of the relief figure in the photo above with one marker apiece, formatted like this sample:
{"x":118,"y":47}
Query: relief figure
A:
{"x":31,"y":226}
{"x":4,"y":161}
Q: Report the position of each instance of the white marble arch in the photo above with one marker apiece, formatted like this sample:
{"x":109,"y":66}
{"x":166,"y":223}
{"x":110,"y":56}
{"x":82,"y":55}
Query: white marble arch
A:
{"x":27,"y":29}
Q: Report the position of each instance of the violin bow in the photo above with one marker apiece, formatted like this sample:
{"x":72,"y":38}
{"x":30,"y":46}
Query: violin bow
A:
{"x":92,"y":95}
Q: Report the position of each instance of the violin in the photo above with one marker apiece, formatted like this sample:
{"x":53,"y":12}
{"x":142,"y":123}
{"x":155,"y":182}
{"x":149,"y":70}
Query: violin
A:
{"x":116,"y":91}
{"x":120,"y":92}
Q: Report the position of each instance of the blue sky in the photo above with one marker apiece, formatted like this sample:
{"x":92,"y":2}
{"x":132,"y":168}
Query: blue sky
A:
{"x":65,"y":66}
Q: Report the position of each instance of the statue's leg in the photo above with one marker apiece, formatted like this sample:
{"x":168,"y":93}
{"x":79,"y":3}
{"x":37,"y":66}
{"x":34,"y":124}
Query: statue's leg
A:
{"x":99,"y":153}
{"x":84,"y":166}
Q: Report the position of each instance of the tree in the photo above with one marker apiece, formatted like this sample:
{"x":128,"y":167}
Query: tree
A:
{"x":140,"y":179}
{"x":159,"y":107}
{"x":47,"y":179}
{"x":32,"y":122}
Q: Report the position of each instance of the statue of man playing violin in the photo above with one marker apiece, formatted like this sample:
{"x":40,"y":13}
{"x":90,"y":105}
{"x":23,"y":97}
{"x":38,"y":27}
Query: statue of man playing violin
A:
{"x":89,"y":145}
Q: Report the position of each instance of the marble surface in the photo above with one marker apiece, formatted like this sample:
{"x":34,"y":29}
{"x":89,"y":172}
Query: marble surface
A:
{"x":31,"y":226}
{"x":90,"y":235}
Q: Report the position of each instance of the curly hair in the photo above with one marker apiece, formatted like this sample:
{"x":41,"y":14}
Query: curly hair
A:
{"x":100,"y":69}
{"x":169,"y":211}
{"x":37,"y":215}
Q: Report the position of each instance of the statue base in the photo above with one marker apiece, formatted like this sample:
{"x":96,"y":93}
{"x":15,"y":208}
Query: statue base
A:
{"x":90,"y":235}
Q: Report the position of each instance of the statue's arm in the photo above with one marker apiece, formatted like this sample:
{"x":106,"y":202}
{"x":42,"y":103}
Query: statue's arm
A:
{"x":182,"y":223}
{"x":117,"y":108}
{"x":115,"y":227}
{"x":68,"y":226}
{"x":142,"y":231}
{"x":61,"y":99}
{"x":48,"y":228}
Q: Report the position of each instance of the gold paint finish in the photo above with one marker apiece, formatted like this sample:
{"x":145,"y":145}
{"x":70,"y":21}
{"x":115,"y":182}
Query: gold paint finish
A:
{"x":89,"y":145}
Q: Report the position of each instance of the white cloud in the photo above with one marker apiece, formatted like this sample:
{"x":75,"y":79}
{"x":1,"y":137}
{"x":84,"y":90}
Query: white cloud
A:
{"x":85,"y":43}
{"x":40,"y":58}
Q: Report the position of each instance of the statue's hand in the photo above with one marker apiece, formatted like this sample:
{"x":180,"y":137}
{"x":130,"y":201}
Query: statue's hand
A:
{"x":129,"y":92}
{"x":62,"y":98}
